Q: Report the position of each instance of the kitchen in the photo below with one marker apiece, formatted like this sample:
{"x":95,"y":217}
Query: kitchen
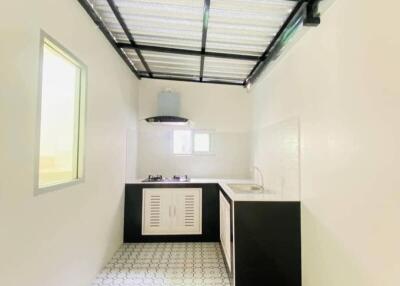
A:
{"x":222,"y":192}
{"x":259,"y":146}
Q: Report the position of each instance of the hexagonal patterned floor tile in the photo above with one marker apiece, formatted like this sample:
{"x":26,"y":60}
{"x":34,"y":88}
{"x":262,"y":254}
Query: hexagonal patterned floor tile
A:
{"x":165,"y":264}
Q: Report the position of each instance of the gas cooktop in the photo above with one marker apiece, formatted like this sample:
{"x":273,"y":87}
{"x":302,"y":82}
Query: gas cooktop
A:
{"x":159,"y":178}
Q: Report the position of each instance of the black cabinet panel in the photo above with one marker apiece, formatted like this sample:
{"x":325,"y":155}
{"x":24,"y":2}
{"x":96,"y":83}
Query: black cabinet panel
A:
{"x":133,"y":214}
{"x":267,"y":243}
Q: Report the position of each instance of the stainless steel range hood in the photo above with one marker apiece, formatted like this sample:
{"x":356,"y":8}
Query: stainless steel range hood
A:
{"x":168,"y":112}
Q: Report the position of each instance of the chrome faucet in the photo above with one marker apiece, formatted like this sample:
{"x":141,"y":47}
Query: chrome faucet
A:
{"x":257,"y":170}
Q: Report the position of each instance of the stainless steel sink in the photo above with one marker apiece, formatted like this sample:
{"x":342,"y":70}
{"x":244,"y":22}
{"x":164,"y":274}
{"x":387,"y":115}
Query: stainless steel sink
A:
{"x":246,"y":188}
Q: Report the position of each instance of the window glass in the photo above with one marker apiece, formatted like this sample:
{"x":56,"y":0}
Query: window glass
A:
{"x":61,"y":117}
{"x":202,"y":142}
{"x":182,"y":142}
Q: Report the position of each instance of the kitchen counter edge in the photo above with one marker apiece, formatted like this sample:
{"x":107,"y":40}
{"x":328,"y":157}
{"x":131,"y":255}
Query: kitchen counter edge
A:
{"x":224,"y":185}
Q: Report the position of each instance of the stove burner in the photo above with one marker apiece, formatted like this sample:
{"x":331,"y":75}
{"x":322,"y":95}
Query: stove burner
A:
{"x":160,"y":178}
{"x":180,"y":178}
{"x":156,"y":178}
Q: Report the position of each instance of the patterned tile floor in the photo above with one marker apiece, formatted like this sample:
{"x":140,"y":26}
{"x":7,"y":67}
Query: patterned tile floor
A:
{"x":165,"y":264}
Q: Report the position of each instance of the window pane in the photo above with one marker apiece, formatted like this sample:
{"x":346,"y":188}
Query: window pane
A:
{"x":202,"y":142}
{"x":59,"y":119}
{"x":182,"y":142}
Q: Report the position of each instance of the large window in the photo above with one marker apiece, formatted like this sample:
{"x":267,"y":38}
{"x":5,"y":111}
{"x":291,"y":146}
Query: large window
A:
{"x":61,"y":116}
{"x":192,"y":142}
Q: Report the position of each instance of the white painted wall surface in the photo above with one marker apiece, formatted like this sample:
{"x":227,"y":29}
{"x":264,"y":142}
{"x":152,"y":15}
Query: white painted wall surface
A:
{"x":224,"y":109}
{"x":342,"y":81}
{"x":60,"y":238}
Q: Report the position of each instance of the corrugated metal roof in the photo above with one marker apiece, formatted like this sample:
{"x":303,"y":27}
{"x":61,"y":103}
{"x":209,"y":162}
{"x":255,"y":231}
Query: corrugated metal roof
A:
{"x":155,"y":29}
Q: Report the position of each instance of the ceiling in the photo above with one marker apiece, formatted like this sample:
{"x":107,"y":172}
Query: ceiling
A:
{"x":212,"y":41}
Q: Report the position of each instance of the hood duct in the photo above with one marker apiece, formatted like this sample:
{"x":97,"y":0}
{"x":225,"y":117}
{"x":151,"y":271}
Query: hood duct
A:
{"x":168,"y":111}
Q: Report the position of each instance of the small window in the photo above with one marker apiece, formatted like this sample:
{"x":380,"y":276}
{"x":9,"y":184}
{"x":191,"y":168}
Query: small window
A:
{"x":201,"y":142}
{"x":61,"y":116}
{"x":182,"y":142}
{"x":188,"y":142}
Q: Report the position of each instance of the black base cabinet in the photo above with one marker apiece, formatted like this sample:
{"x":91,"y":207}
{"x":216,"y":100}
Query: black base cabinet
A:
{"x":265,"y":236}
{"x":267,"y":243}
{"x":133,"y":214}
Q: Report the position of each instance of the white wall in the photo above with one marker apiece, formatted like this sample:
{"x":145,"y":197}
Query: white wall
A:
{"x":60,"y":238}
{"x":341,"y":81}
{"x":224,"y":109}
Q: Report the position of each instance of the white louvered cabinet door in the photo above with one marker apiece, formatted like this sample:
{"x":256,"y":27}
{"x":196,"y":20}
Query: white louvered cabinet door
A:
{"x":187,"y":213}
{"x":157,"y":211}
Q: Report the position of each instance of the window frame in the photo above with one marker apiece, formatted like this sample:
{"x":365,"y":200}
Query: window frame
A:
{"x":193,"y":132}
{"x":46,"y":39}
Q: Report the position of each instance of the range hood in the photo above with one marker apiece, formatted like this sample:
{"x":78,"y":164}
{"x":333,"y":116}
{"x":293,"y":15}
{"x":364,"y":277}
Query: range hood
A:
{"x":168,"y":120}
{"x":168,"y":111}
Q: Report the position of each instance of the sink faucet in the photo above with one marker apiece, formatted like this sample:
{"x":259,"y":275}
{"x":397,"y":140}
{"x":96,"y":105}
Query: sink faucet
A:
{"x":257,"y":170}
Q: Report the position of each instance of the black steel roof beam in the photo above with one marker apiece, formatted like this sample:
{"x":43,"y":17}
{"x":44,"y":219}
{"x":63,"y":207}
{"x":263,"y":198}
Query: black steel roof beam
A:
{"x":188,"y":52}
{"x":128,"y":34}
{"x":206,"y":13}
{"x":192,"y":76}
{"x":88,"y":8}
{"x":266,"y":56}
{"x":308,"y":10}
{"x":194,"y":80}
{"x":312,"y":17}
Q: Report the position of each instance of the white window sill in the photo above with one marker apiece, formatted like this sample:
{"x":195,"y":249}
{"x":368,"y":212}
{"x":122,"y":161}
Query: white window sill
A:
{"x":57,"y":187}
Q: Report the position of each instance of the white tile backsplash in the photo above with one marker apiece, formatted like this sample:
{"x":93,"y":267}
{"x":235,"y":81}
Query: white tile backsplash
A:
{"x":276,"y":153}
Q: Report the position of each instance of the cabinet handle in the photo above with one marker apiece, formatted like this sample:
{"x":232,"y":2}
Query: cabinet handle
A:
{"x":174,"y":210}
